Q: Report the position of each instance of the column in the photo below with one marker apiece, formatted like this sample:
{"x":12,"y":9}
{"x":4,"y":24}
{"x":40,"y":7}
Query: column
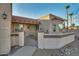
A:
{"x":5,"y":28}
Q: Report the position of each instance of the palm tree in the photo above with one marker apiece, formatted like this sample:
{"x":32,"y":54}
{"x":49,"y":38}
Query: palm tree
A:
{"x":73,"y":25}
{"x":71,"y":14}
{"x":67,"y":7}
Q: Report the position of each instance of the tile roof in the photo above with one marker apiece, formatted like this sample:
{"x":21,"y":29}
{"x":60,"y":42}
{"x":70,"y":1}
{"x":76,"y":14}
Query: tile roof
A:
{"x":51,"y":17}
{"x":19,"y":19}
{"x":54,"y":17}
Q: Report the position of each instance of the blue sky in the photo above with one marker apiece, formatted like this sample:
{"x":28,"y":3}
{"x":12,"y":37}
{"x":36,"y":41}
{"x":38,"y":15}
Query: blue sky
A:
{"x":35,"y":10}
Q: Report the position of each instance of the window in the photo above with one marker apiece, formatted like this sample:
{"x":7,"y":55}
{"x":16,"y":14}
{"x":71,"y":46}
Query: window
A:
{"x":17,"y":27}
{"x":61,"y":26}
{"x":54,"y":28}
{"x":28,"y":27}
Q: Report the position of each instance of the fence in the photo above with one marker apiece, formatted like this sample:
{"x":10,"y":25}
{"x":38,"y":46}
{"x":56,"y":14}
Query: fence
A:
{"x":54,"y":41}
{"x":17,"y":39}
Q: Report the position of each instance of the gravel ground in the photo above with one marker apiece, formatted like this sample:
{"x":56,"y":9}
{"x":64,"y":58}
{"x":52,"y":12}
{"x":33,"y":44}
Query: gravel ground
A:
{"x":67,"y":50}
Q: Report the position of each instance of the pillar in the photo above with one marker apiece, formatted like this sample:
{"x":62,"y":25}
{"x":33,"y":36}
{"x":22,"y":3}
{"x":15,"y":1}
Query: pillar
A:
{"x":5,"y":28}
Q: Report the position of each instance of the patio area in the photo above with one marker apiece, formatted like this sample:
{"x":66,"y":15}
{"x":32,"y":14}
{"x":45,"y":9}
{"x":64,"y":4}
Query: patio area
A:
{"x":68,"y":50}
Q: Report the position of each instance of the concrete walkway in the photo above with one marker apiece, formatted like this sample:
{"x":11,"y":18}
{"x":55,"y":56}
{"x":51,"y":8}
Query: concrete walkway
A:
{"x":25,"y":51}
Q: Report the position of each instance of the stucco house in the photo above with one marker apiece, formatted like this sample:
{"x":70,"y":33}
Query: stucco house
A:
{"x":21,"y":28}
{"x":19,"y":23}
{"x":32,"y":26}
{"x":47,"y":23}
{"x":51,"y":23}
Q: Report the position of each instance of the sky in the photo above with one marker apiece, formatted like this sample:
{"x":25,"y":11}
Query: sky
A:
{"x":35,"y":10}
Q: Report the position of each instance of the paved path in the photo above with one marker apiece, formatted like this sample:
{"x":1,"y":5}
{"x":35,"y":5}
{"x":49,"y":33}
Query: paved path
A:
{"x":25,"y":51}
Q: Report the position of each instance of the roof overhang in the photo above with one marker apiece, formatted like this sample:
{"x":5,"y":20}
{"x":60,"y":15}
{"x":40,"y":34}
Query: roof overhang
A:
{"x":24,"y":20}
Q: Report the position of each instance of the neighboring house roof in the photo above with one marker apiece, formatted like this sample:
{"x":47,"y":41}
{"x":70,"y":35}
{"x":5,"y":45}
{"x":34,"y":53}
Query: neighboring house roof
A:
{"x":19,"y":19}
{"x":51,"y":17}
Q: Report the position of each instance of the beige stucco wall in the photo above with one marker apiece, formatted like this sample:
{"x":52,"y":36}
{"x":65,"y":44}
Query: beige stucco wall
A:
{"x":17,"y":40}
{"x":54,"y":43}
{"x":49,"y":25}
{"x":5,"y":28}
{"x":14,"y":40}
{"x":25,"y":27}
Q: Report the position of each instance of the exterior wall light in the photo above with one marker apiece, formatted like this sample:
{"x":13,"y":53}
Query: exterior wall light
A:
{"x":4,"y":15}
